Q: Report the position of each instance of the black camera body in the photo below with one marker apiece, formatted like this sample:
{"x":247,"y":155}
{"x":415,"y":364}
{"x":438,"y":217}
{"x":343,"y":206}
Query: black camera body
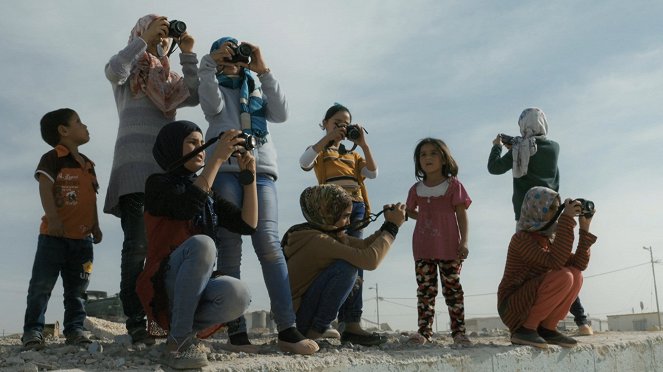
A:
{"x":506,"y":139}
{"x":353,"y":132}
{"x":176,"y":28}
{"x":242,"y":52}
{"x":587,"y":207}
{"x":250,"y":142}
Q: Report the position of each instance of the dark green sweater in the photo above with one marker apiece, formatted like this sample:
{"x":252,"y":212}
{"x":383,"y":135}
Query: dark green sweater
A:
{"x":541,"y":171}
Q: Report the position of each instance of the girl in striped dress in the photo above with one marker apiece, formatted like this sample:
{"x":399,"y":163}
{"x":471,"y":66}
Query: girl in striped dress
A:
{"x":542,"y":276}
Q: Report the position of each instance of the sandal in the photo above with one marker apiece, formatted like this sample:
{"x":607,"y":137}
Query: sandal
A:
{"x":34,"y":341}
{"x":417,"y":339}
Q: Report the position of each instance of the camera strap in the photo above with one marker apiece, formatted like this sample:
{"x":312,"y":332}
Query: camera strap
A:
{"x":173,"y":45}
{"x":179,"y":162}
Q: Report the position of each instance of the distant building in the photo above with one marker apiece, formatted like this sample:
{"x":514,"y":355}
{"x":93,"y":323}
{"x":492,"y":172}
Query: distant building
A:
{"x":481,"y":324}
{"x":99,"y":305}
{"x":260,"y":321}
{"x":633,"y":322}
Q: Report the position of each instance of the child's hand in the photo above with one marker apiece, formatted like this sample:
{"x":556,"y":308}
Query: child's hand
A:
{"x":585,"y":221}
{"x":463,"y":250}
{"x":186,"y":43}
{"x":227,"y":145}
{"x":497,"y":140}
{"x":222,"y":55}
{"x":395,"y":213}
{"x":246,"y":161}
{"x":572,"y":208}
{"x":55,"y":227}
{"x":257,"y":63}
{"x":336,"y":135}
{"x":361,"y":141}
{"x":155,"y":31}
{"x":96,"y":234}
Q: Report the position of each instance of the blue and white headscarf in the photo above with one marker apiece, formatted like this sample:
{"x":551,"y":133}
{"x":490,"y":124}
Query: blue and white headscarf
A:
{"x":250,"y":101}
{"x":533,"y":124}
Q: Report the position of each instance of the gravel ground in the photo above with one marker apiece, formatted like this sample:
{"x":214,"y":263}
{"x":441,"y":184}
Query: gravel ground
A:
{"x":112,"y":351}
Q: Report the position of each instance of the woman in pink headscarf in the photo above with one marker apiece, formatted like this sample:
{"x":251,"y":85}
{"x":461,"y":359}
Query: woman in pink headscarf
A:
{"x":147,"y":94}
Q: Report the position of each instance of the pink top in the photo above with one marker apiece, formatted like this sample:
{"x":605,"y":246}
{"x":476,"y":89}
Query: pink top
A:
{"x":436,"y":234}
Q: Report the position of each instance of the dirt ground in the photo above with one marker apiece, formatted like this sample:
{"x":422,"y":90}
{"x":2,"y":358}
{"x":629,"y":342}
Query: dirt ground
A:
{"x":112,"y":350}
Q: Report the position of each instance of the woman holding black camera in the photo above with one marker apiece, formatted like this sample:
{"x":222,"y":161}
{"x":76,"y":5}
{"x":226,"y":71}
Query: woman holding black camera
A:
{"x":147,"y":94}
{"x":177,"y":288}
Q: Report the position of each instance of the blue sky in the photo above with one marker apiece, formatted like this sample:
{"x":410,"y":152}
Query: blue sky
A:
{"x":460,"y":71}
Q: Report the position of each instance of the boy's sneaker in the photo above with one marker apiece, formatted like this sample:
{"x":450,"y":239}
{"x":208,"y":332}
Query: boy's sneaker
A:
{"x":556,"y":338}
{"x":140,"y":335}
{"x":33,"y":341}
{"x":77,"y":338}
{"x":524,"y":336}
{"x":187,"y":356}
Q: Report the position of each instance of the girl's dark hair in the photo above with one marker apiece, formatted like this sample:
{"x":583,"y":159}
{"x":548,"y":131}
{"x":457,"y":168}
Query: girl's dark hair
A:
{"x":51,"y":121}
{"x":449,"y":168}
{"x":334,"y":109}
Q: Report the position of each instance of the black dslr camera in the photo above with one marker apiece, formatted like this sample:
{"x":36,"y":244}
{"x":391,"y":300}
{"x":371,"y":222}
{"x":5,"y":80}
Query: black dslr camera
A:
{"x":176,"y":28}
{"x":250,"y":142}
{"x":353,"y":132}
{"x":587,"y":207}
{"x":242,"y":52}
{"x":506,"y":139}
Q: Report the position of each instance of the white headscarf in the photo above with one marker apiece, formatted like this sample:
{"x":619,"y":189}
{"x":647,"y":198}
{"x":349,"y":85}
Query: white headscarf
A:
{"x":533,"y":125}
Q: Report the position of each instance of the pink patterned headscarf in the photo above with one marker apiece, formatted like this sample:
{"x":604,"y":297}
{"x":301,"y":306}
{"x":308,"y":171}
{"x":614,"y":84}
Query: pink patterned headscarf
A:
{"x":151,"y":76}
{"x":533,"y":212}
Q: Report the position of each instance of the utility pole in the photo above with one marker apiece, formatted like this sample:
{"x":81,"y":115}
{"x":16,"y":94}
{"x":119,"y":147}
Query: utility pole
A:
{"x":658,"y":311}
{"x":377,"y":303}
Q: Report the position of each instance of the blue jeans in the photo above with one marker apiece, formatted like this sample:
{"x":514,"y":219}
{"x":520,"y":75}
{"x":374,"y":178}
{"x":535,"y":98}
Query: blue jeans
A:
{"x":196,"y":300}
{"x":134,"y":249}
{"x":72,"y":260}
{"x":351,"y":309}
{"x":323,"y":299}
{"x":266,"y":244}
{"x":579,"y":316}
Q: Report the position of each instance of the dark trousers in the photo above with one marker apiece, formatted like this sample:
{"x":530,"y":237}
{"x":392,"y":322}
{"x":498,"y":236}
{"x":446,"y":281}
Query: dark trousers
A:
{"x":578,"y":312}
{"x":72,"y":260}
{"x":134,"y":249}
{"x":351,"y":309}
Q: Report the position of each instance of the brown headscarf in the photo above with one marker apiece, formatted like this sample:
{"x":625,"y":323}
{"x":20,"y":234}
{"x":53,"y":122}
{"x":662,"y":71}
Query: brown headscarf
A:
{"x":151,"y":76}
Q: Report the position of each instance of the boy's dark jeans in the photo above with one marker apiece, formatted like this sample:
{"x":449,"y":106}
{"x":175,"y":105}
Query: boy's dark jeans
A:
{"x":134,"y":250}
{"x":70,"y":258}
{"x":578,"y":312}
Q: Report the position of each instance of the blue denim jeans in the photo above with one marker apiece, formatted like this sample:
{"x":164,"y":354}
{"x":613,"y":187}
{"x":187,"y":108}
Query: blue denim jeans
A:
{"x":323,"y":299}
{"x":266,"y":243}
{"x":134,"y":249}
{"x":196,"y":300}
{"x":578,"y":312}
{"x":351,"y":309}
{"x":72,"y":260}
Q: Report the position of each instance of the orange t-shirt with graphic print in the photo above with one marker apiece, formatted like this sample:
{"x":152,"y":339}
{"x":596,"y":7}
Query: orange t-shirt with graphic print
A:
{"x":74,"y":191}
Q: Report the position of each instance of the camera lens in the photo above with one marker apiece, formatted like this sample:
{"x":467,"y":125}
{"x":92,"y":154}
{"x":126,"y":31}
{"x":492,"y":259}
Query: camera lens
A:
{"x":353,"y":132}
{"x":244,"y":50}
{"x":176,"y":28}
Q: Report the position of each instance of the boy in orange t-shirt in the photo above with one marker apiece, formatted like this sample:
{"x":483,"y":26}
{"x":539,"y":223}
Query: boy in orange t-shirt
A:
{"x":68,"y":188}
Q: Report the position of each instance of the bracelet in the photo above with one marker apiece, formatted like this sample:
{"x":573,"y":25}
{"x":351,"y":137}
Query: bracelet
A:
{"x":390,"y":227}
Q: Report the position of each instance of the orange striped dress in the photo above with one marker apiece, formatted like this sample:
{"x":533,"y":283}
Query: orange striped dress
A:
{"x":530,"y":257}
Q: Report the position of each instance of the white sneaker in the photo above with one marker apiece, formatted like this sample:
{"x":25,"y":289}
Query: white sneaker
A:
{"x":185,"y":357}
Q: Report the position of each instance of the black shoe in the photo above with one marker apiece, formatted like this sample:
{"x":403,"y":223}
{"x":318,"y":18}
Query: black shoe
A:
{"x":77,"y":338}
{"x":373,"y":339}
{"x":33,"y":341}
{"x":556,"y":338}
{"x":524,"y":336}
{"x":140,"y":335}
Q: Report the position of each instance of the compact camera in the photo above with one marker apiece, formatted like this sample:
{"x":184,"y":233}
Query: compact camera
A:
{"x":250,"y":142}
{"x":242,"y":52}
{"x":587,"y":207}
{"x":176,"y":28}
{"x":506,"y":139}
{"x":353,"y":132}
